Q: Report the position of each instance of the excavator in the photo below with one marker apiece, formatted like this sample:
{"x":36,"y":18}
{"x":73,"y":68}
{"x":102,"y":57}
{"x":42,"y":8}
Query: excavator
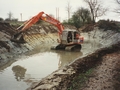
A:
{"x":69,"y":39}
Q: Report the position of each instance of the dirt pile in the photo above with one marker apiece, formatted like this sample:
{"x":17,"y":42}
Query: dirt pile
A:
{"x":87,"y":28}
{"x":4,"y":44}
{"x":108,"y":25}
{"x":105,"y":76}
{"x":7,"y":28}
{"x":102,"y":24}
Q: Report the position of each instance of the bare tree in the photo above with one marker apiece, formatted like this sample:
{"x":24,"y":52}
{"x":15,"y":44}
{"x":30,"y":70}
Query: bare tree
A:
{"x":117,"y":10}
{"x":68,"y":9}
{"x":96,"y":9}
{"x":118,"y":1}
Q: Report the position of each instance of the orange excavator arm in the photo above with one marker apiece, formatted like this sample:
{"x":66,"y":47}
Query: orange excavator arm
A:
{"x":33,"y":20}
{"x":44,"y":17}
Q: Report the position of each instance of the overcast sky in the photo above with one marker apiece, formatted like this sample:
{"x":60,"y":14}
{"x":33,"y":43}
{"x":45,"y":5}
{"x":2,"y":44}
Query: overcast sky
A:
{"x":30,"y":8}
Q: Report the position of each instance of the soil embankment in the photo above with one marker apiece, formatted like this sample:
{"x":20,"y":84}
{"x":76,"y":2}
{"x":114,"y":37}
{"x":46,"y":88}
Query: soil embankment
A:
{"x":106,"y":75}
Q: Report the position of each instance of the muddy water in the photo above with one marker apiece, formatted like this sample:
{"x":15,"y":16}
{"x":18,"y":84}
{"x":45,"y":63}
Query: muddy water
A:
{"x":34,"y":66}
{"x":37,"y":64}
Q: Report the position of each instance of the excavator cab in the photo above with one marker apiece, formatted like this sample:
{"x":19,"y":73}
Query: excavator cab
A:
{"x":69,"y":36}
{"x":69,"y":41}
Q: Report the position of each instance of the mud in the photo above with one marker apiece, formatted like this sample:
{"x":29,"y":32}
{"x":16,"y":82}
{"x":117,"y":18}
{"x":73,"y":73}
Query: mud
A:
{"x":105,"y":75}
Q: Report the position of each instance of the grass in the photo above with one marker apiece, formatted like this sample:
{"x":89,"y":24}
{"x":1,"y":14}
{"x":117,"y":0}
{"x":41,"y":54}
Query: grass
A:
{"x":80,"y":80}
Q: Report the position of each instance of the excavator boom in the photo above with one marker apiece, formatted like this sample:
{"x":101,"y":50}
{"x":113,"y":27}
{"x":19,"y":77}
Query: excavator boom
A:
{"x":18,"y":37}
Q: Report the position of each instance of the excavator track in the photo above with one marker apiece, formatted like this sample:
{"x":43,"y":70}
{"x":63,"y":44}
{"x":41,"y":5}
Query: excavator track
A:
{"x":74,"y":47}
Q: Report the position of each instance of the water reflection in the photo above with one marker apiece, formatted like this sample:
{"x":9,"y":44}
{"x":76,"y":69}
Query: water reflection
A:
{"x":66,"y":57}
{"x":19,"y":72}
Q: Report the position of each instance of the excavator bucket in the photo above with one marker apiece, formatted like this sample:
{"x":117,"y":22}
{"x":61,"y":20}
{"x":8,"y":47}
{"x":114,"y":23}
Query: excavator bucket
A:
{"x":18,"y":38}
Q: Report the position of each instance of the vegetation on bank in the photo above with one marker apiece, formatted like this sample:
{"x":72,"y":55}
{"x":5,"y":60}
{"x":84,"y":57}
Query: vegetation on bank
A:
{"x":80,"y":80}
